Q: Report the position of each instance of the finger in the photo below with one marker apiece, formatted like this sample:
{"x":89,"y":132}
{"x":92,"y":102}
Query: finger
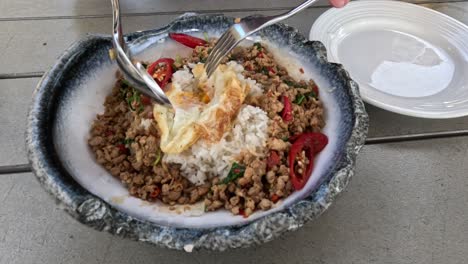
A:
{"x":339,"y":3}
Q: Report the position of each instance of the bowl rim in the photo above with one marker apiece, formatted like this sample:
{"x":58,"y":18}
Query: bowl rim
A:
{"x":94,"y":212}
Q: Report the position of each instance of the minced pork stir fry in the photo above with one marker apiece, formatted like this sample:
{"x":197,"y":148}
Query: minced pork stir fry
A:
{"x":265,"y":147}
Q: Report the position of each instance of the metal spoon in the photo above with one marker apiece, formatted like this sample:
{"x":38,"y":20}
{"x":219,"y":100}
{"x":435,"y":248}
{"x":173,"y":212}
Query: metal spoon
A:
{"x":135,"y":74}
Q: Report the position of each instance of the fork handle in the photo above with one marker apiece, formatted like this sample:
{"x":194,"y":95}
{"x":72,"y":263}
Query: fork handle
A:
{"x":290,"y":13}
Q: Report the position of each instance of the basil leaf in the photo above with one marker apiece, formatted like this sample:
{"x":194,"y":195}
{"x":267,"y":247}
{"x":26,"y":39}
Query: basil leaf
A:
{"x":135,"y":97}
{"x":299,"y":99}
{"x":128,"y":141}
{"x":158,"y":158}
{"x":124,"y":83}
{"x":236,"y":171}
{"x":311,"y":94}
{"x":258,"y":45}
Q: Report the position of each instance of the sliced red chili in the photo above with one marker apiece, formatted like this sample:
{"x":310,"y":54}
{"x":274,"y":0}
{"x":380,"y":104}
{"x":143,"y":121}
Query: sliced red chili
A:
{"x":293,"y":138}
{"x":108,"y":133}
{"x":270,"y":69}
{"x":145,"y":100}
{"x":187,"y":40}
{"x":122,"y":149}
{"x":311,"y":143}
{"x":155,"y":193}
{"x":274,"y":198}
{"x":273,"y":159}
{"x":260,"y":54}
{"x":161,"y":70}
{"x":242,"y":212}
{"x":287,"y":110}
{"x":315,"y":90}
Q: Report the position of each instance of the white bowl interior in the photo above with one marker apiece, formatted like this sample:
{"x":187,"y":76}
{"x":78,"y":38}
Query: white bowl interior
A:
{"x":71,"y":132}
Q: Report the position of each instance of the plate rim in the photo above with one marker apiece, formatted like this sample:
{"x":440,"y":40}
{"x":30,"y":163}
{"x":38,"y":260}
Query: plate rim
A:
{"x":383,"y":104}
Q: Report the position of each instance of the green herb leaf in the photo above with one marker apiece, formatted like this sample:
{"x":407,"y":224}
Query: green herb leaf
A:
{"x":264,"y":70}
{"x":158,"y":158}
{"x":236,"y":171}
{"x":178,"y":59}
{"x":290,"y":83}
{"x":205,"y":35}
{"x":285,"y":139}
{"x":135,"y":99}
{"x":232,"y":57}
{"x":258,"y":46}
{"x":124,"y":83}
{"x":311,"y":94}
{"x":128,"y":141}
{"x":299,"y":99}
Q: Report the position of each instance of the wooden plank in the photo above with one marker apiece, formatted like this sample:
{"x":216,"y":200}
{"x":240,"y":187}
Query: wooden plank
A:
{"x":52,"y":37}
{"x":458,"y":11}
{"x":45,"y":9}
{"x":384,"y":123}
{"x":400,"y":207}
{"x":15,"y":97}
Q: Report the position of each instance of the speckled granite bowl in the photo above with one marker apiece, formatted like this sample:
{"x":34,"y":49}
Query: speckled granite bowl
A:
{"x":70,"y":95}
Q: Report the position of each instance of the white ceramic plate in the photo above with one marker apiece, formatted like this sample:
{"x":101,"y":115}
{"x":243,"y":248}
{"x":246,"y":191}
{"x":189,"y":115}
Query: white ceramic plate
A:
{"x":406,"y":58}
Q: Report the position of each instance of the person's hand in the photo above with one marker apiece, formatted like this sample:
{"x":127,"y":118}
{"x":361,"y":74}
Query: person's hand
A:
{"x":339,"y":3}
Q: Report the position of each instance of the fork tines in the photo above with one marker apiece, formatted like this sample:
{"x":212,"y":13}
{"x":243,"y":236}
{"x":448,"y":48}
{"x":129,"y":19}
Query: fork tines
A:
{"x":224,"y":45}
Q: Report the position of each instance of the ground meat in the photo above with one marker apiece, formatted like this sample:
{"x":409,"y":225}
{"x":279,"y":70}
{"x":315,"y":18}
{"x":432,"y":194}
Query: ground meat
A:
{"x":125,"y":140}
{"x":277,"y":144}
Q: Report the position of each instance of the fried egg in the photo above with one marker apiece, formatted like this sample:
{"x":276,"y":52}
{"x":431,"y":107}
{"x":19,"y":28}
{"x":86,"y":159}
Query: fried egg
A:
{"x":202,"y":108}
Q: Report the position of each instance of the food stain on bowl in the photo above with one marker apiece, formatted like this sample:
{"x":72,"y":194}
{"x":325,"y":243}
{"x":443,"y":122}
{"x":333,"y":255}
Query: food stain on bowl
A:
{"x":119,"y":199}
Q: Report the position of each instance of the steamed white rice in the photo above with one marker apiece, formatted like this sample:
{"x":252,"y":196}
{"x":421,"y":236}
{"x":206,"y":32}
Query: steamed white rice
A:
{"x":249,"y":133}
{"x":204,"y":160}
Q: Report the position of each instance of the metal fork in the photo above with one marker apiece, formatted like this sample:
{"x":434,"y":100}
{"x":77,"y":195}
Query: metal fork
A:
{"x":239,"y":31}
{"x":135,"y":74}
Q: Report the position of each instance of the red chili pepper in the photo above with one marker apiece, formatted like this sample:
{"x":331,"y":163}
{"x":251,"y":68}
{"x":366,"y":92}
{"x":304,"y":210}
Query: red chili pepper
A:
{"x":161,"y":70}
{"x":155,"y":193}
{"x":187,"y":40}
{"x":260,"y":54}
{"x":145,"y":100}
{"x":272,"y":70}
{"x":273,"y":160}
{"x":315,"y":89}
{"x":108,"y":133}
{"x":311,"y":143}
{"x":293,"y":138}
{"x":242,"y":212}
{"x":287,"y":110}
{"x":122,"y":149}
{"x":274,"y":198}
